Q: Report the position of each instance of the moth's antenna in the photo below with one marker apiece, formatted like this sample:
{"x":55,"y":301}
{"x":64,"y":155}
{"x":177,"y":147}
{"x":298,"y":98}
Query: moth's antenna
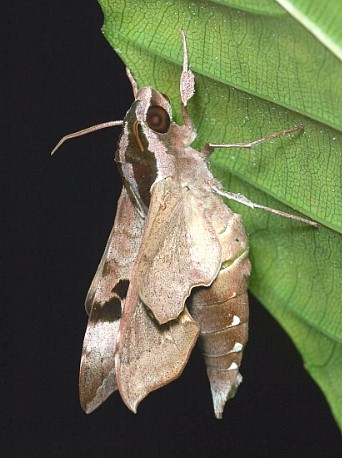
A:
{"x":86,"y":131}
{"x":132,"y":81}
{"x":187,"y":79}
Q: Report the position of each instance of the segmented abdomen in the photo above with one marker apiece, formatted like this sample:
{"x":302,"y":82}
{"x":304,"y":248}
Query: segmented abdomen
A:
{"x":221,"y":311}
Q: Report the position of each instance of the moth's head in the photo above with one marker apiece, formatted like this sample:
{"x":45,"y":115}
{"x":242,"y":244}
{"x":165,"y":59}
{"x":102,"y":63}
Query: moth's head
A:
{"x":146,"y":140}
{"x":149,"y":119}
{"x":148,"y":127}
{"x":153,"y":109}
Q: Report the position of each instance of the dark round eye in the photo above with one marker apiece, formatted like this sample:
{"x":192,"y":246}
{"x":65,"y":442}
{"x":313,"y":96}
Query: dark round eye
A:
{"x":158,"y":119}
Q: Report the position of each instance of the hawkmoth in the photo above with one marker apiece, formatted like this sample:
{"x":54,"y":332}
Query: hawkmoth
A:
{"x":175,"y":269}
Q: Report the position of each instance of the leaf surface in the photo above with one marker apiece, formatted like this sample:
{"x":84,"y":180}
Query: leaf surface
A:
{"x":259,"y":71}
{"x":322,"y":19}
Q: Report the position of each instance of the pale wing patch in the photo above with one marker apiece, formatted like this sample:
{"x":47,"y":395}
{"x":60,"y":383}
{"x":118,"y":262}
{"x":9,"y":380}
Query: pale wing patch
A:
{"x":97,"y":370}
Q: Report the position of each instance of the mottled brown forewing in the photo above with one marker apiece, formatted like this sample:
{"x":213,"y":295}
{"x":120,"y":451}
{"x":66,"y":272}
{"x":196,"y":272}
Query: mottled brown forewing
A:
{"x":175,"y":259}
{"x":105,"y":303}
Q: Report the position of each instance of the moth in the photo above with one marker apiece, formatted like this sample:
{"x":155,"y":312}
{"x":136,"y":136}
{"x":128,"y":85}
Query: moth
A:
{"x":175,"y":269}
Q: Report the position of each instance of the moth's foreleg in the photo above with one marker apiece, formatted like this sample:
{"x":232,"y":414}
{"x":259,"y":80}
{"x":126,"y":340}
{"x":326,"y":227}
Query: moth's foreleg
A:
{"x":209,"y":148}
{"x":243,"y":200}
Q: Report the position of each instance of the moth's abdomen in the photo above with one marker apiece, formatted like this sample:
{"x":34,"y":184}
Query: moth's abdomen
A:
{"x":221,"y":311}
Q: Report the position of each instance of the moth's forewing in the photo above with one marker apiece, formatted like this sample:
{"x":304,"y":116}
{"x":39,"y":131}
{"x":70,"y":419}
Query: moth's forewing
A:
{"x":105,"y":303}
{"x":176,"y":258}
{"x":150,"y":354}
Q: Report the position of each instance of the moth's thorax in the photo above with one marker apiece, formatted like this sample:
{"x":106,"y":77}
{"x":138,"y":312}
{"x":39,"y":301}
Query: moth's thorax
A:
{"x":151,"y":145}
{"x":192,"y":171}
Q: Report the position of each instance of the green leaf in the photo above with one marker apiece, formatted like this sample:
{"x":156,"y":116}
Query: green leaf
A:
{"x":322,"y":19}
{"x":257,"y":72}
{"x":261,"y":6}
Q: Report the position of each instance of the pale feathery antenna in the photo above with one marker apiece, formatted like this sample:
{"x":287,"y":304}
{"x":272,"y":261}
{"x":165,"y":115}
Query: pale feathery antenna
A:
{"x":187,"y":79}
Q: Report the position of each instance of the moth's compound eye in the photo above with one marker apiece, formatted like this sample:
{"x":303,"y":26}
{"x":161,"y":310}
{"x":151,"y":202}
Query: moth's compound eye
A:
{"x":158,"y":119}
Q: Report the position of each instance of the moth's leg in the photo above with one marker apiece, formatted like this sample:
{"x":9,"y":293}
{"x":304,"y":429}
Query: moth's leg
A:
{"x":186,"y":84}
{"x":86,"y":131}
{"x":132,"y":81}
{"x":243,"y":200}
{"x":208,"y":149}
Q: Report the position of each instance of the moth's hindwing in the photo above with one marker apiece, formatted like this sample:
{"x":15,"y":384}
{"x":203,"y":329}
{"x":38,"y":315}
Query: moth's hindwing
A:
{"x":105,"y":303}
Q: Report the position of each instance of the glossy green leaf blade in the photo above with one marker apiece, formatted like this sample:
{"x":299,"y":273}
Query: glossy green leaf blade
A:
{"x":261,"y":6}
{"x":275,"y":57}
{"x":296,"y":269}
{"x":322,"y":19}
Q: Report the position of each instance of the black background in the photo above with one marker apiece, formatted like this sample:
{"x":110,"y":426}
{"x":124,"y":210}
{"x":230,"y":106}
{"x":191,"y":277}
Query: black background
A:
{"x":63,"y":76}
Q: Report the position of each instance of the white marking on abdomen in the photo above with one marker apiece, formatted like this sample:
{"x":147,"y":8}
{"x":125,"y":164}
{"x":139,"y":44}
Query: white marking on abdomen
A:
{"x":237,"y":347}
{"x":235,"y":321}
